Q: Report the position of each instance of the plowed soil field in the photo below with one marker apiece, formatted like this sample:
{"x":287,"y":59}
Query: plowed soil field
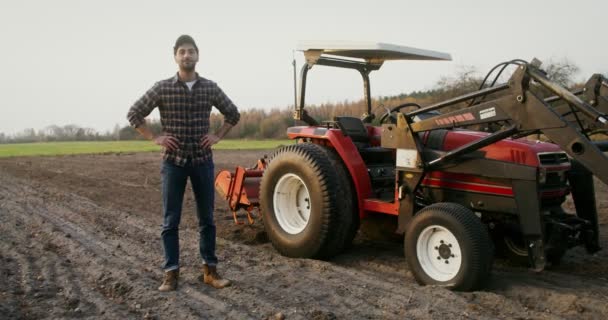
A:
{"x":80,"y":238}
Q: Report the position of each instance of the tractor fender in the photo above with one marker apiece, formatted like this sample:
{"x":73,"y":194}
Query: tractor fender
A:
{"x":349,"y":154}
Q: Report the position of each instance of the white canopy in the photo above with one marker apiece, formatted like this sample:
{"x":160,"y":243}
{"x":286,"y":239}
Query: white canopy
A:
{"x":375,"y":52}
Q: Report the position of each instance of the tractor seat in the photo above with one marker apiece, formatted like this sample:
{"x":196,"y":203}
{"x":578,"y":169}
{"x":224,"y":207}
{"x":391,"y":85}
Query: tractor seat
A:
{"x":355,"y":129}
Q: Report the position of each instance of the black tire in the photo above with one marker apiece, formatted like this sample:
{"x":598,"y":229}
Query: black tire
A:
{"x":348,"y":212}
{"x":511,"y":246}
{"x":471,"y":240}
{"x":308,"y":168}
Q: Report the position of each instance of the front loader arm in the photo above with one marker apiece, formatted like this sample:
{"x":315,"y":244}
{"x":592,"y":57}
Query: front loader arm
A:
{"x":595,"y":93}
{"x":525,"y":113}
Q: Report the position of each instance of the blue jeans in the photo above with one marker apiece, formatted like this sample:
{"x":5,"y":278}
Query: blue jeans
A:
{"x":174,"y":180}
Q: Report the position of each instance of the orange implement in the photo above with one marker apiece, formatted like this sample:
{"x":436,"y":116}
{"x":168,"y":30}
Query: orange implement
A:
{"x":241,"y":189}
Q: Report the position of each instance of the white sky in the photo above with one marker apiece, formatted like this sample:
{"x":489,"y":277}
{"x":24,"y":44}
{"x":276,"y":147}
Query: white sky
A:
{"x":85,"y":62}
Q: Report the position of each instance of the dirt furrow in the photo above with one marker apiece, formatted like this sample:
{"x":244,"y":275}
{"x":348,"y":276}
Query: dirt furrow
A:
{"x":83,"y":232}
{"x":48,"y":281}
{"x":109,"y":261}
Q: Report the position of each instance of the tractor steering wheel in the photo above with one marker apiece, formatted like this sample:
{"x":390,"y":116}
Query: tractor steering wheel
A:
{"x":390,"y":113}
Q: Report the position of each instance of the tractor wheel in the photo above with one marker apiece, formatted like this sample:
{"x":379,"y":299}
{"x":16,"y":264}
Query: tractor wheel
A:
{"x":447,"y":245}
{"x":300,"y":203}
{"x":515,"y":249}
{"x":512,"y":247}
{"x":348,"y":212}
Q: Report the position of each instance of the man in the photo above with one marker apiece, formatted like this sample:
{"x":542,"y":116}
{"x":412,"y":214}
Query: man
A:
{"x":185,"y":103}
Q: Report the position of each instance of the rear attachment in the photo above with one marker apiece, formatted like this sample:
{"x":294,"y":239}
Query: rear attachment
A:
{"x":241,"y":189}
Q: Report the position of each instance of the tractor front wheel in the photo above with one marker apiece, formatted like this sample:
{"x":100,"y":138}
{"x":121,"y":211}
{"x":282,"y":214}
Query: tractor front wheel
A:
{"x":447,"y":245}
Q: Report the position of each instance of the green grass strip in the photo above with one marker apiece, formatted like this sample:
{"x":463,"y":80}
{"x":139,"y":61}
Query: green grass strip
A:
{"x":96,"y":147}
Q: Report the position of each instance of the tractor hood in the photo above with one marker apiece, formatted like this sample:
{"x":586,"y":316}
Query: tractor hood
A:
{"x":522,"y":151}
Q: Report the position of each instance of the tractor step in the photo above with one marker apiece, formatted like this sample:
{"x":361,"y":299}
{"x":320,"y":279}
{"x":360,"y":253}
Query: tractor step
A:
{"x":381,"y":205}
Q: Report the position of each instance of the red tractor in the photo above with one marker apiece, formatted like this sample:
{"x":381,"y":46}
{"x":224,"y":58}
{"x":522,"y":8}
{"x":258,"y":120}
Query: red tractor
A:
{"x":457,"y":193}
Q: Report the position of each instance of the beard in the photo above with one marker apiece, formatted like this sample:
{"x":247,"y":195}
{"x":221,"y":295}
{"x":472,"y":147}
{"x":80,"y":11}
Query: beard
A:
{"x":187,"y":66}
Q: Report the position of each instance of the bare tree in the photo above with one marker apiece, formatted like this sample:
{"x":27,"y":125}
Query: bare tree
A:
{"x":562,"y":71}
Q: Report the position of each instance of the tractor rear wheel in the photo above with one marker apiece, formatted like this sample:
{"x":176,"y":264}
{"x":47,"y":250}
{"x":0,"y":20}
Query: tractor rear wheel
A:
{"x":300,"y":204}
{"x":348,"y":206}
{"x":447,"y":245}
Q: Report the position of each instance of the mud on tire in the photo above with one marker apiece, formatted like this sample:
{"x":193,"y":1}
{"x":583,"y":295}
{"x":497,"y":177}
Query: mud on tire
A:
{"x":300,"y":202}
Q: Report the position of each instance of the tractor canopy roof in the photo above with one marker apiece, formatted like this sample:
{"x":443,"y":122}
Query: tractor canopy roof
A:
{"x":372,"y":52}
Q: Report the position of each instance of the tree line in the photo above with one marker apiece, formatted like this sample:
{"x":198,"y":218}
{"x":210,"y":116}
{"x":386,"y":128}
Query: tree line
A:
{"x":273,"y":124}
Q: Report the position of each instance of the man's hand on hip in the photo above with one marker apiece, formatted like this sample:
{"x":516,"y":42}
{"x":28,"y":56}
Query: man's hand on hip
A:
{"x":208,"y":140}
{"x":169,"y":142}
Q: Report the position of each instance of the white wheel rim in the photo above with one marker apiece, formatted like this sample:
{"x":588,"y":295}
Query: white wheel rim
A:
{"x":439,"y":253}
{"x":291,"y":202}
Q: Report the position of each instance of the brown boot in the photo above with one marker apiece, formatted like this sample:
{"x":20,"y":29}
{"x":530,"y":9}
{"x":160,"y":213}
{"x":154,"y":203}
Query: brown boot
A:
{"x":212,"y":278}
{"x":170,"y":281}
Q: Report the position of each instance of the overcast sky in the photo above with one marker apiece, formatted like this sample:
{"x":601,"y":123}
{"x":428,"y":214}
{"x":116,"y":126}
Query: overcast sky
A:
{"x":85,"y":62}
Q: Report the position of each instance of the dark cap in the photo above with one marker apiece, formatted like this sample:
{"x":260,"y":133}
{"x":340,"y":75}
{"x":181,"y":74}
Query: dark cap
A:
{"x":184,"y":39}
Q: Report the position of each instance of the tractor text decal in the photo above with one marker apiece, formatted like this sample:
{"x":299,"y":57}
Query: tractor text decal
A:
{"x":487,"y":113}
{"x":454,"y":119}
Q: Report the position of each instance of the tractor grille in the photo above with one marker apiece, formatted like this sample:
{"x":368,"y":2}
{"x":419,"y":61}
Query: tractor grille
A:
{"x":552,"y":158}
{"x":553,"y":176}
{"x":555,"y":179}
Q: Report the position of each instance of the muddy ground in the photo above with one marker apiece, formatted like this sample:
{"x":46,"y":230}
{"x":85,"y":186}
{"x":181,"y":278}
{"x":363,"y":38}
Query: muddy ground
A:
{"x":79,"y":238}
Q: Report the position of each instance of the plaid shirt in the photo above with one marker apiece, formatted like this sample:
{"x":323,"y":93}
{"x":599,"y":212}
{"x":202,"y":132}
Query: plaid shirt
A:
{"x":184,"y":114}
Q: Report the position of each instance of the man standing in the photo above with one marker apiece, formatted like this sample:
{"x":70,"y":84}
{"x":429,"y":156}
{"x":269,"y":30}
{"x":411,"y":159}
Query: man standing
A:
{"x":185,"y":103}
